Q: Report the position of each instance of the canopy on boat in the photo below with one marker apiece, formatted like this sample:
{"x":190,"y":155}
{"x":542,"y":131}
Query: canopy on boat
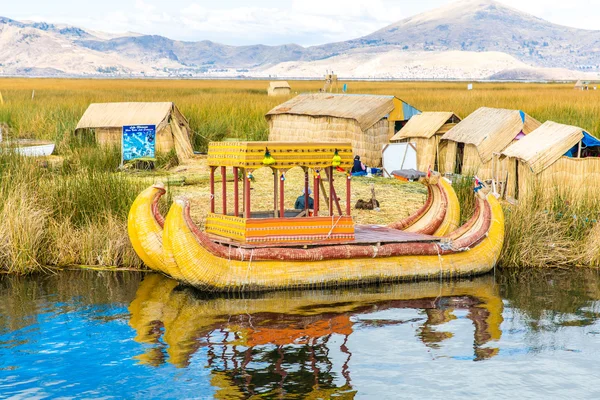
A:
{"x":282,"y":155}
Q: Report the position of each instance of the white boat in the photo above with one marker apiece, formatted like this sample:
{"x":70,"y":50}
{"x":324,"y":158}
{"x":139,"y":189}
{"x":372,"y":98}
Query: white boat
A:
{"x":30,"y":147}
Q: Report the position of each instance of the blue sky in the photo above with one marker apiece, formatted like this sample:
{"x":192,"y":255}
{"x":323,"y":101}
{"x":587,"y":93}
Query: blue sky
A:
{"x":306,"y":22}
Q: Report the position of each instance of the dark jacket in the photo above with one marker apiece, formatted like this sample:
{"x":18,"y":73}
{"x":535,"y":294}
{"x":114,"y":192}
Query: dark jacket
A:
{"x":299,"y":205}
{"x":357,"y":167}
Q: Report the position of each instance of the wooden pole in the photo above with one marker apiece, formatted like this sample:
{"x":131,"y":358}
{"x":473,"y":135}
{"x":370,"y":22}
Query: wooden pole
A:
{"x":306,"y":195}
{"x":236,"y":193}
{"x":331,"y":189}
{"x":247,"y":195}
{"x":224,"y":188}
{"x":275,"y":192}
{"x":243,"y":192}
{"x":281,"y":196}
{"x":348,"y":211}
{"x":212,"y":190}
{"x":579,"y":149}
{"x":316,"y":184}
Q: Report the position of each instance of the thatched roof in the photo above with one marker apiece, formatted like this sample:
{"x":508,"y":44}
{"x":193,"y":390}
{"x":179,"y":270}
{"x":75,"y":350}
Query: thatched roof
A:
{"x":279,"y":85}
{"x":366,"y":109}
{"x":545,"y":145}
{"x":491,"y":129}
{"x":425,"y":125}
{"x":116,"y":115}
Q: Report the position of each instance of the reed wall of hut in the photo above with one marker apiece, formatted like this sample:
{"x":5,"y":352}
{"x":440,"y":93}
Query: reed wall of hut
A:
{"x":549,"y":160}
{"x":473,"y":143}
{"x":364,"y":120}
{"x":425,"y":131}
{"x":106,"y":120}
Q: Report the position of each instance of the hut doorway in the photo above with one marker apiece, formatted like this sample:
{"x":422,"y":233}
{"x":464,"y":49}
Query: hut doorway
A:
{"x":460,"y":156}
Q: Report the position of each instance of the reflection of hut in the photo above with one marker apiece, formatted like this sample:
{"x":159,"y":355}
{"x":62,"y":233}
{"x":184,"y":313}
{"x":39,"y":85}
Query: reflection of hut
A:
{"x":425,"y":131}
{"x":107,"y":121}
{"x":279,"y":88}
{"x":553,"y":156}
{"x":367,"y":121}
{"x":472,"y":143}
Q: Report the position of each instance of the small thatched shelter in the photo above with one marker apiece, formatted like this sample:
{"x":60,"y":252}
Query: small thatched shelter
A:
{"x":107,"y":121}
{"x":425,"y":131}
{"x":279,"y":88}
{"x":587,"y":85}
{"x":554,"y":156}
{"x":472,"y":143}
{"x":367,"y":121}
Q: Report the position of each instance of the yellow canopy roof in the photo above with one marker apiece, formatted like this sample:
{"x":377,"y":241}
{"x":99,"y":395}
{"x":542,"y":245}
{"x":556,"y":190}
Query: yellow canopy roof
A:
{"x":286,"y":154}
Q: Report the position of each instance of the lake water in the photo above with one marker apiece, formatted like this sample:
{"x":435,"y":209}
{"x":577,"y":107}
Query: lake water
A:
{"x":129,"y":335}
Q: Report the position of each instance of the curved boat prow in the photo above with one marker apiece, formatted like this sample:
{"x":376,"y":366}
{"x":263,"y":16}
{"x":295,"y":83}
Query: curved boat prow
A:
{"x":439,"y":216}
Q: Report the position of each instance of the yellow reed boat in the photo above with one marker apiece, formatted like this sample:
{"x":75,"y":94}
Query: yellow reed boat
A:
{"x":242,"y":250}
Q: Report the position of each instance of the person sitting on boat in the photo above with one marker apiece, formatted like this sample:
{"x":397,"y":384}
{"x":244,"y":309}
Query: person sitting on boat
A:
{"x":299,"y":205}
{"x":358,"y":169}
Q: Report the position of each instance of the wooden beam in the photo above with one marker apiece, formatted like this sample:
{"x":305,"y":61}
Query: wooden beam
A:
{"x":212,"y":189}
{"x":275,"y":192}
{"x":332,"y":193}
{"x":306,"y":195}
{"x":348,"y":211}
{"x":317,"y":182}
{"x":281,"y":196}
{"x":247,"y":185}
{"x":224,"y":188}
{"x":236,"y":193}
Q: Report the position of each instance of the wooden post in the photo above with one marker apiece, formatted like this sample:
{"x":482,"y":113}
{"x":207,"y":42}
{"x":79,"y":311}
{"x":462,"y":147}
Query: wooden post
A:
{"x":579,"y":149}
{"x":306,"y":195}
{"x":246,"y":195}
{"x":224,"y":188}
{"x":281,"y":196}
{"x":331,"y":189}
{"x":212,"y":189}
{"x":316,"y":190}
{"x":236,"y":193}
{"x":348,"y":211}
{"x":243,"y":191}
{"x":275,"y":192}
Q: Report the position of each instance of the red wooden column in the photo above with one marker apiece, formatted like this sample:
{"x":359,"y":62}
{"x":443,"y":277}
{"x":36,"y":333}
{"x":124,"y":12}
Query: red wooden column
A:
{"x":236,"y":193}
{"x":306,"y":195}
{"x":316,"y":193}
{"x":348,"y":179}
{"x":275,"y":193}
{"x":246,"y":194}
{"x":212,"y":189}
{"x":331,"y":190}
{"x":224,"y":188}
{"x":281,"y":195}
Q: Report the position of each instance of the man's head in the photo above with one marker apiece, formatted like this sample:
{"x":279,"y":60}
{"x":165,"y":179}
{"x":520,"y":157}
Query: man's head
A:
{"x":309,"y":191}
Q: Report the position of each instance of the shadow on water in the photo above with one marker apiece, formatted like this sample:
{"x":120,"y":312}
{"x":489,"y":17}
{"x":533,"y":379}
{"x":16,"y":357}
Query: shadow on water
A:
{"x":158,"y":338}
{"x":279,"y":343}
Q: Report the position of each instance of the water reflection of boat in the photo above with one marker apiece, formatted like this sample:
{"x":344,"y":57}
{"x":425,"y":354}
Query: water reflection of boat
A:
{"x":273,"y":342}
{"x":251,"y":252}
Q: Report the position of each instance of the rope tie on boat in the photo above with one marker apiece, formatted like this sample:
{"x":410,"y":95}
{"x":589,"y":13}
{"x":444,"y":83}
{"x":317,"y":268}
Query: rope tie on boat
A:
{"x":333,"y":225}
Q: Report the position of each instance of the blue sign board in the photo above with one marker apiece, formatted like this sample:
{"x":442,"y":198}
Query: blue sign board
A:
{"x":138,"y":141}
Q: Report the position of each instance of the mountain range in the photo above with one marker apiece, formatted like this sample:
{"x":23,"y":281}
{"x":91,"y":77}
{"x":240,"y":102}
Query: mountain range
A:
{"x":468,"y":39}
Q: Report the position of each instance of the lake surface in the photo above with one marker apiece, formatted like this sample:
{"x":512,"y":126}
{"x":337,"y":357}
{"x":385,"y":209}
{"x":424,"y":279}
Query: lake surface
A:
{"x":131,"y":335}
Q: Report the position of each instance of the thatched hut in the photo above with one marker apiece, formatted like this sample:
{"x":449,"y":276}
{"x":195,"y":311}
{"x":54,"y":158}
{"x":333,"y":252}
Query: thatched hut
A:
{"x":554,"y":156}
{"x":279,"y":88}
{"x":107,"y":121}
{"x":587,"y":85}
{"x":425,"y":131}
{"x":367,"y":121}
{"x":472,"y":143}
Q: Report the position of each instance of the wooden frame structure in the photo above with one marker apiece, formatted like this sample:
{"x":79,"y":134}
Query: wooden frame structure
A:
{"x":280,"y":225}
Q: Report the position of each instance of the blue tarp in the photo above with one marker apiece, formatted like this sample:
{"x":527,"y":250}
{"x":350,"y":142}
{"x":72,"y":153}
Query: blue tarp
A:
{"x":588,"y":141}
{"x":409,"y":111}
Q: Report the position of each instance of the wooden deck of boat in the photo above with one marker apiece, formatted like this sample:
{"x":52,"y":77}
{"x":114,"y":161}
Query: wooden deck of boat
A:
{"x":363,"y":235}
